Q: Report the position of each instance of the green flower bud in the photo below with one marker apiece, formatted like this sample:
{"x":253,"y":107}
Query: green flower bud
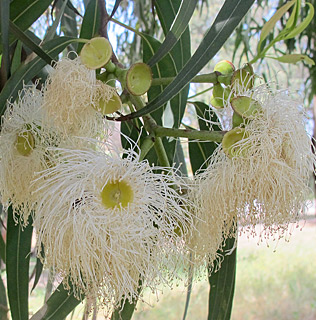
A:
{"x":230,"y":139}
{"x":25,"y":143}
{"x":224,"y":67}
{"x":246,"y":107}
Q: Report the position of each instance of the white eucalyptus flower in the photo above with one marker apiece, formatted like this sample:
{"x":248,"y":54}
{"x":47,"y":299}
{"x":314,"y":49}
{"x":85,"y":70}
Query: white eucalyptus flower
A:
{"x":22,"y":148}
{"x":263,"y":182}
{"x":72,"y":97}
{"x":107,"y":222}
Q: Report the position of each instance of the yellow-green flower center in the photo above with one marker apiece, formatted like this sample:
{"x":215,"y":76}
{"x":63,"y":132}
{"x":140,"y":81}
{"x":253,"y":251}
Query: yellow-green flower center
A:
{"x":25,"y":143}
{"x":116,"y":193}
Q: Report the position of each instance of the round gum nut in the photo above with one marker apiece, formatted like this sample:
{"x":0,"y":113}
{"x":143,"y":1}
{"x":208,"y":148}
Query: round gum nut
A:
{"x":224,"y":67}
{"x":96,"y":53}
{"x":111,"y":106}
{"x":25,"y":143}
{"x":138,"y":79}
{"x":246,"y":107}
{"x":230,"y":139}
{"x":243,"y":78}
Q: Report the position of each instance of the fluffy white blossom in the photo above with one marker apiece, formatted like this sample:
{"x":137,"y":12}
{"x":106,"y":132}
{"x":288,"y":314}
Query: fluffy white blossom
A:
{"x":107,"y":222}
{"x":266,"y":182}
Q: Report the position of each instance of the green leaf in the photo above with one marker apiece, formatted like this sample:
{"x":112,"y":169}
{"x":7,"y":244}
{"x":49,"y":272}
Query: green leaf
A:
{"x":58,"y":306}
{"x":90,"y":23}
{"x":272,"y":22}
{"x":18,"y":250}
{"x":51,"y":31}
{"x":294,"y":15}
{"x":26,"y":72}
{"x":226,"y":21}
{"x":38,"y":272}
{"x":25,"y":13}
{"x":16,"y":60}
{"x":169,"y":66}
{"x":179,"y":25}
{"x":2,"y":249}
{"x":200,"y":151}
{"x":294,"y":58}
{"x":30,"y":43}
{"x":303,"y":25}
{"x":3,"y":301}
{"x":4,"y":15}
{"x":222,"y":284}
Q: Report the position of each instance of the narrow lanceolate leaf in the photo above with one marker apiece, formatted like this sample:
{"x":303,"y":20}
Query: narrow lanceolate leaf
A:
{"x":38,"y":272}
{"x":27,"y":72}
{"x":58,"y":306}
{"x":30,"y":43}
{"x":222,"y":285}
{"x":116,"y":5}
{"x":200,"y":151}
{"x":16,"y":60}
{"x":268,"y":27}
{"x":3,"y":301}
{"x":52,"y":29}
{"x":226,"y":21}
{"x":5,"y":61}
{"x":90,"y":23}
{"x":178,"y":27}
{"x":24,"y":13}
{"x":18,"y":249}
{"x":169,"y":66}
{"x":2,"y":249}
{"x":303,"y":25}
{"x":294,"y":58}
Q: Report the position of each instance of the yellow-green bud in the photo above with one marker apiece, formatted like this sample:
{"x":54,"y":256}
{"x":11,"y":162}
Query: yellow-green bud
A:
{"x":224,"y":67}
{"x":25,"y":143}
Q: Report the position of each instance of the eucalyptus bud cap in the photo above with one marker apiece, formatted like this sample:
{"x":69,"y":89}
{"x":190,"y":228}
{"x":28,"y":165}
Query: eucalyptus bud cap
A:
{"x":224,"y":67}
{"x":96,"y":53}
{"x":138,"y":79}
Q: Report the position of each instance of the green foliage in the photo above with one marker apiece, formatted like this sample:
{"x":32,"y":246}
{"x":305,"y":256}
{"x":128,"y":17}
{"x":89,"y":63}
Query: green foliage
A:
{"x":166,"y":47}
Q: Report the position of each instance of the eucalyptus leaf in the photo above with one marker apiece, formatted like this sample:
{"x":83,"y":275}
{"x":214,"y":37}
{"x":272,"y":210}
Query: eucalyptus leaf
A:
{"x":179,"y":25}
{"x":303,"y":25}
{"x":294,"y":58}
{"x":18,"y":248}
{"x":5,"y":61}
{"x":91,"y":22}
{"x":268,"y":27}
{"x":225,"y":23}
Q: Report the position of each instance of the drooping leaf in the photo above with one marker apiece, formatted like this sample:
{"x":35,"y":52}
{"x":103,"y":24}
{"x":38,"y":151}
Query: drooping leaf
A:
{"x":115,"y":7}
{"x":18,"y":249}
{"x":5,"y":61}
{"x":2,"y":249}
{"x":30,"y":43}
{"x":25,"y":13}
{"x":3,"y":301}
{"x":294,"y":58}
{"x":38,"y":271}
{"x":200,"y":151}
{"x":272,"y":22}
{"x":90,"y":23}
{"x":26,"y":72}
{"x":179,"y":25}
{"x":222,"y":284}
{"x":226,"y":21}
{"x":58,"y":306}
{"x":51,"y":31}
{"x":303,"y":25}
{"x":16,"y":60}
{"x":291,"y":22}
